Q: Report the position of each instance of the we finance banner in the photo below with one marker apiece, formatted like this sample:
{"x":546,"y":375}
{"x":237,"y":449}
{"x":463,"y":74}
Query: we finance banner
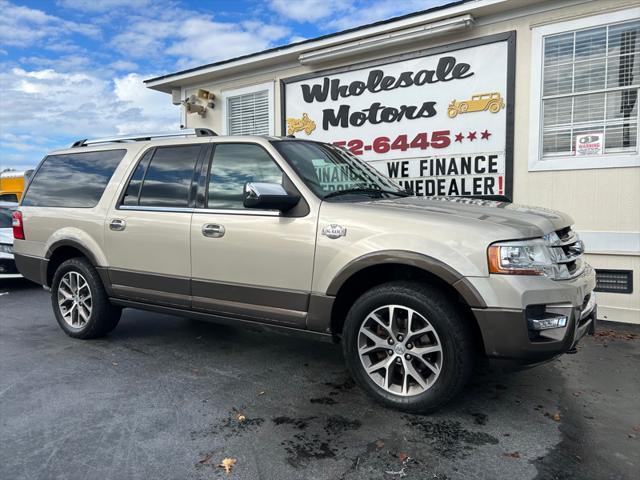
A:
{"x":439,"y":123}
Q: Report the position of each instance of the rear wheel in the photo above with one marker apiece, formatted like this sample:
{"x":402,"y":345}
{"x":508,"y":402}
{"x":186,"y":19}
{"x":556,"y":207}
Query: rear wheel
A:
{"x":79,"y":301}
{"x":408,"y":346}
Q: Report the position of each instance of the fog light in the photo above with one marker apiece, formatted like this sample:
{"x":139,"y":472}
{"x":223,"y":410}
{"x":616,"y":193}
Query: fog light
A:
{"x":547,"y":321}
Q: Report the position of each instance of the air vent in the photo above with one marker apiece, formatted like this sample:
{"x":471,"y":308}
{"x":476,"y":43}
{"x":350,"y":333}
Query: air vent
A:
{"x":614,"y":281}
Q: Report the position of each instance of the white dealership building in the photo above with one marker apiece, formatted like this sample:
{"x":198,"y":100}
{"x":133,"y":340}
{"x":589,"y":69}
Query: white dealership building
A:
{"x":531,"y":101}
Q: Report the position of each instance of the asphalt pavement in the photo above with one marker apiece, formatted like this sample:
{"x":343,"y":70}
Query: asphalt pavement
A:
{"x":171,"y":398}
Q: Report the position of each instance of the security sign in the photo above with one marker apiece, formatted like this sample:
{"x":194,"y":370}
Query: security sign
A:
{"x":440,"y":124}
{"x":589,"y":144}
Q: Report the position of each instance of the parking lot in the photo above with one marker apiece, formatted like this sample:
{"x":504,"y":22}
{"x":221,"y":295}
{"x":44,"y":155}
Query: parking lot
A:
{"x":170,"y":398}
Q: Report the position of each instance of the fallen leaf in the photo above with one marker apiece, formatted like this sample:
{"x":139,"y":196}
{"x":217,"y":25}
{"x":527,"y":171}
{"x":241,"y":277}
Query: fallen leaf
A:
{"x":240,"y":417}
{"x":512,"y":454}
{"x":636,"y":428}
{"x":556,"y":417}
{"x":206,"y":459}
{"x":228,"y":464}
{"x":403,"y":457}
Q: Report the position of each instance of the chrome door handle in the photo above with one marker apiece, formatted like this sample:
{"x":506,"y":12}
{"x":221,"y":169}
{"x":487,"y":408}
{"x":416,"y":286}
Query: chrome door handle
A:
{"x":212,"y":230}
{"x":117,"y":225}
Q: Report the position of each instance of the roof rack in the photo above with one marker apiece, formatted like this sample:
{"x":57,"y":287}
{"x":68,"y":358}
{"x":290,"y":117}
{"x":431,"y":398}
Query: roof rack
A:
{"x":141,"y":137}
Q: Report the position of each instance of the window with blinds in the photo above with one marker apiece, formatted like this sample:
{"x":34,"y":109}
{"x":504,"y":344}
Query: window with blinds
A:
{"x":590,"y":84}
{"x":248,"y":114}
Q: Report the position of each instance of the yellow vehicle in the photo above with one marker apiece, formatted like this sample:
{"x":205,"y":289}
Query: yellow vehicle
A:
{"x":12,"y":184}
{"x":478,"y":103}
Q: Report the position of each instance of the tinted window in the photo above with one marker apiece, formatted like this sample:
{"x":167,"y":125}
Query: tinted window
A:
{"x":133,"y":189}
{"x":5,"y":218}
{"x":73,"y":179}
{"x":168,"y":179}
{"x":233,"y":166}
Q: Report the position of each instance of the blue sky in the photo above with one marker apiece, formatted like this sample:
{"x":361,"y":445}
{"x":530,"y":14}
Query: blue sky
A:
{"x":72,"y":69}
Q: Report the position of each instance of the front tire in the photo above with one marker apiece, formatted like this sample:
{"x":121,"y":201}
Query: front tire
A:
{"x":408,"y":346}
{"x":80,"y":302}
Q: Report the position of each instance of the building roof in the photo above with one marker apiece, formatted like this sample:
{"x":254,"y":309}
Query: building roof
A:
{"x":311,"y":40}
{"x":290,"y":53}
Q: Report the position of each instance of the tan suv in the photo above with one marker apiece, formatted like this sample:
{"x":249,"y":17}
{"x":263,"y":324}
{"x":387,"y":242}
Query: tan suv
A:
{"x":304,"y":236}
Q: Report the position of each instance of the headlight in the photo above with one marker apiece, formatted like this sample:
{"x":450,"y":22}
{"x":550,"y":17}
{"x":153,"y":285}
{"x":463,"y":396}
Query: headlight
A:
{"x":5,"y":248}
{"x":527,"y":257}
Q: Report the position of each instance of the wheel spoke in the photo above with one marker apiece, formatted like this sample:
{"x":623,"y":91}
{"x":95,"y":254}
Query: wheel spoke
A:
{"x":373,"y":316}
{"x":377,"y":340}
{"x":420,"y":351}
{"x":381,"y":364}
{"x":409,"y":322}
{"x":421,"y":331}
{"x":431,"y":366}
{"x":411,"y":370}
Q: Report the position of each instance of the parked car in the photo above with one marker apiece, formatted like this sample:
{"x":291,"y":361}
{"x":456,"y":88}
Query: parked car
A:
{"x":7,"y":263}
{"x":243,"y":230}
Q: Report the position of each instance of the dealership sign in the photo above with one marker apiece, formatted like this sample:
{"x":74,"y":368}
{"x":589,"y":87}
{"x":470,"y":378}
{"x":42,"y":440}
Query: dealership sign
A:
{"x":439,"y":123}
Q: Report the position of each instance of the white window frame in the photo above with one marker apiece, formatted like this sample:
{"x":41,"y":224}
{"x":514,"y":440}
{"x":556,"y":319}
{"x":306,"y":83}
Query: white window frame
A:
{"x":569,"y":162}
{"x":226,"y":94}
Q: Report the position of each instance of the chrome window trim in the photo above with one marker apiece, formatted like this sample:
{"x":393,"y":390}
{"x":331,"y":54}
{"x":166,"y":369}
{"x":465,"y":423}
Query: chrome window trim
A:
{"x":230,"y":211}
{"x":156,"y":209}
{"x":219,"y":211}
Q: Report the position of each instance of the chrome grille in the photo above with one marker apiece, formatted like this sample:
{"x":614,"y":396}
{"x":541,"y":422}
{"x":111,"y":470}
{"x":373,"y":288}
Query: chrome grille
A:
{"x":567,"y":250}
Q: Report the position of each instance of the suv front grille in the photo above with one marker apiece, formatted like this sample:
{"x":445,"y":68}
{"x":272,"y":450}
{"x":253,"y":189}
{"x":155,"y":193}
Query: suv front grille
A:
{"x":567,"y":250}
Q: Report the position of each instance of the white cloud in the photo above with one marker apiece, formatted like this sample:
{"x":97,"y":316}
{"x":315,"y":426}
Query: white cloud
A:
{"x":123,"y":65}
{"x":341,"y":15}
{"x":196,"y":39}
{"x":297,"y":38}
{"x":23,"y":26}
{"x":102,"y":5}
{"x":362,"y":14}
{"x":68,"y":105}
{"x":308,"y":10}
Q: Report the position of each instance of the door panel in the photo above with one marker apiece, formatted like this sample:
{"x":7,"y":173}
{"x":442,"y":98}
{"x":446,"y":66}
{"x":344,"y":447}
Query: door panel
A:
{"x":253,"y":263}
{"x":148,"y":237}
{"x":261,"y":266}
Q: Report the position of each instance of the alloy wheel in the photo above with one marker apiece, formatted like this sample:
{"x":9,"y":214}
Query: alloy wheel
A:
{"x":400,"y":350}
{"x":74,"y":299}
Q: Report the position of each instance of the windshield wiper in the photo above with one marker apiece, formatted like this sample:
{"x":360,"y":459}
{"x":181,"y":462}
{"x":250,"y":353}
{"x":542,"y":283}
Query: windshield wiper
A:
{"x":364,"y":190}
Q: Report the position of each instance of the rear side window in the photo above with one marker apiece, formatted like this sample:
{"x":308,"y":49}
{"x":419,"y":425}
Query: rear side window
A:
{"x":166,"y":181}
{"x":132,"y":194}
{"x":73,"y":179}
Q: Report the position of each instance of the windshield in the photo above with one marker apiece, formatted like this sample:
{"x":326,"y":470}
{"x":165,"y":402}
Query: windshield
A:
{"x":329,"y":170}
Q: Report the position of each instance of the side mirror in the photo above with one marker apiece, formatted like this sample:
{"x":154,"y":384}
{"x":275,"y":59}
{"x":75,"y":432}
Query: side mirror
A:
{"x":268,"y":196}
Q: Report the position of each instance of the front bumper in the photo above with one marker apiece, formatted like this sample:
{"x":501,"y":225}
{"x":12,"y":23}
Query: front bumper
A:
{"x":509,"y":338}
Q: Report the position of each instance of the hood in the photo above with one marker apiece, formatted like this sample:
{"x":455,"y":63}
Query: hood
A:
{"x":6,"y":235}
{"x":529,"y":221}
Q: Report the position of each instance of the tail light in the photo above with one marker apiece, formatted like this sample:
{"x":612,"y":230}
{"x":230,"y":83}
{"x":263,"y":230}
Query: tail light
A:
{"x":18,"y":227}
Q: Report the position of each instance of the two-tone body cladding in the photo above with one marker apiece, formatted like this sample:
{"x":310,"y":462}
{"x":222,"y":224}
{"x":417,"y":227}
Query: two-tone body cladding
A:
{"x":247,"y":231}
